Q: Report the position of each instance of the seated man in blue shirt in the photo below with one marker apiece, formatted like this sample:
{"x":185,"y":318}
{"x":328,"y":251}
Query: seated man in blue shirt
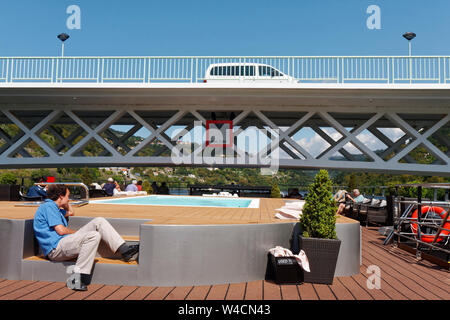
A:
{"x":37,"y":190}
{"x":59,"y":243}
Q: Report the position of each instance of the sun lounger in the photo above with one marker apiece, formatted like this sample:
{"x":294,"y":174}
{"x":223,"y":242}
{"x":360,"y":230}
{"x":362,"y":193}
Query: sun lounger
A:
{"x":285,"y":213}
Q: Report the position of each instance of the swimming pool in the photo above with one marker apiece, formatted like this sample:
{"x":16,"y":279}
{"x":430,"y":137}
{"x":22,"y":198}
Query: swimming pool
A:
{"x":183,"y":201}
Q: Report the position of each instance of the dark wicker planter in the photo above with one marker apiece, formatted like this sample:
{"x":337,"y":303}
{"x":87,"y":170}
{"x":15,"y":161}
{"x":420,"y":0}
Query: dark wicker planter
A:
{"x":322,"y":256}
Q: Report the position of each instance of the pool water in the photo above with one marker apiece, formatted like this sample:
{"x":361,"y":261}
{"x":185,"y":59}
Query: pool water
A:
{"x":184,"y":201}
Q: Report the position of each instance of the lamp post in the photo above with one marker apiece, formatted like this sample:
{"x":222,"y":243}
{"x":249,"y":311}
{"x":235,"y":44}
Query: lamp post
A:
{"x":63,"y":37}
{"x":409,"y":36}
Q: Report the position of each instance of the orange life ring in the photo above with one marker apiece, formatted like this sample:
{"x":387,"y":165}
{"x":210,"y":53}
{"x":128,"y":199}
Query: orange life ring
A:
{"x":430,"y":237}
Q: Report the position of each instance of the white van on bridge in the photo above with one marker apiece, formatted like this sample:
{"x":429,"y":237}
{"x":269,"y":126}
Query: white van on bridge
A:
{"x":245,"y":72}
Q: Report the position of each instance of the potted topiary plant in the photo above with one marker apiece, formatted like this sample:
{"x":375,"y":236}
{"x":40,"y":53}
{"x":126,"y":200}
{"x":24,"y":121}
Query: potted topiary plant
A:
{"x":9,"y":190}
{"x":275,"y":191}
{"x":318,"y":223}
{"x":146,"y":186}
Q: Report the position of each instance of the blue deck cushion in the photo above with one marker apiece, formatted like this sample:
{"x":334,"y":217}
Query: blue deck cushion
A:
{"x":47,"y":216}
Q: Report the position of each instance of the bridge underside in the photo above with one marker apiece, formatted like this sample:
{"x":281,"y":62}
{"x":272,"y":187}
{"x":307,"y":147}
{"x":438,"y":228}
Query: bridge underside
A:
{"x":387,"y":130}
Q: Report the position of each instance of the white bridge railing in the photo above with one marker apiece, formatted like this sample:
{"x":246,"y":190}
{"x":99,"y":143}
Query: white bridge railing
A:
{"x":333,"y":69}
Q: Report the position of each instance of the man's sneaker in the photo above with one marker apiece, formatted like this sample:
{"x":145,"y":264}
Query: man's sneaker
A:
{"x":131,"y":254}
{"x":74,"y":282}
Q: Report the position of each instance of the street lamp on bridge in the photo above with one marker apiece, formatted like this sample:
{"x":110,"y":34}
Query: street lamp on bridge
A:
{"x":63,"y":37}
{"x":409,"y":36}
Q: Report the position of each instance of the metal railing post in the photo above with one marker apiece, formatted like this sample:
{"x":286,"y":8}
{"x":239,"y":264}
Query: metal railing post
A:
{"x":410,"y":69}
{"x":388,"y":71}
{"x":12,"y":70}
{"x":7,"y":71}
{"x":98,"y":70}
{"x":445,"y":70}
{"x":196,"y":69}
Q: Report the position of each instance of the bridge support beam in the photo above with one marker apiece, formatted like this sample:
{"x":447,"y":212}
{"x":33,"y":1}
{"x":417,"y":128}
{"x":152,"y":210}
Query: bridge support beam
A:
{"x":404,"y":131}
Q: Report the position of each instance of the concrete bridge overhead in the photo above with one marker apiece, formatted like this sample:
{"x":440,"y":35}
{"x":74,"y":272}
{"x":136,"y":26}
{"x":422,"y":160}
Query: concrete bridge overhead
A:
{"x":388,"y":123}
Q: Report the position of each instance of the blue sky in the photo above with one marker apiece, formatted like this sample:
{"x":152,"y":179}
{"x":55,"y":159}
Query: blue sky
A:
{"x":211,"y":27}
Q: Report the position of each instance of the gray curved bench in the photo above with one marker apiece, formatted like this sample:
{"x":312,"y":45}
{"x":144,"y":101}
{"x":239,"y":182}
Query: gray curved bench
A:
{"x":187,"y":255}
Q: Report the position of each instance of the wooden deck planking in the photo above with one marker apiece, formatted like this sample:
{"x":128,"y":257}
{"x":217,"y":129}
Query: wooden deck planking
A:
{"x":59,"y":294}
{"x":415,"y":282}
{"x":43,"y":292}
{"x":341,"y":292}
{"x":6,"y":283}
{"x":179,"y":293}
{"x":14,"y":285}
{"x":160,"y":293}
{"x":377,"y":294}
{"x":389,"y":291}
{"x":16,"y":294}
{"x":401,"y":279}
{"x":218,"y":292}
{"x":271,"y":291}
{"x":324,"y":292}
{"x":103,"y":293}
{"x":393,"y":282}
{"x":140,"y":293}
{"x":307,"y":292}
{"x":199,"y":293}
{"x":423,"y":269}
{"x":81,"y":295}
{"x":289,"y":292}
{"x":357,"y":291}
{"x":254,"y":290}
{"x":411,"y":282}
{"x":236,"y":291}
{"x":122,"y":293}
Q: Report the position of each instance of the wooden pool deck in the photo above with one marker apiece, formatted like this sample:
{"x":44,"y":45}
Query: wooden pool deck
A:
{"x":402,"y":278}
{"x":167,"y":214}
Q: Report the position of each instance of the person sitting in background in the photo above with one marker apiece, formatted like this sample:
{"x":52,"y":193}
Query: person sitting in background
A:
{"x":340,"y":198}
{"x":294,"y":194}
{"x":37,"y":190}
{"x":95,"y":186}
{"x":132,"y":187}
{"x":155,"y":187}
{"x":357,"y":196}
{"x":109,"y":187}
{"x":139,"y":185}
{"x":163,"y":189}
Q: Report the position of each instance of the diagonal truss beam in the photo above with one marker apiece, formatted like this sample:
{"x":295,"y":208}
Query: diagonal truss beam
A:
{"x":351,"y":136}
{"x":30,"y":134}
{"x":155,"y":133}
{"x":94,"y":133}
{"x":284,"y":135}
{"x":420,"y":138}
{"x":391,"y":146}
{"x":331,"y":142}
{"x":10,"y":141}
{"x":413,"y":136}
